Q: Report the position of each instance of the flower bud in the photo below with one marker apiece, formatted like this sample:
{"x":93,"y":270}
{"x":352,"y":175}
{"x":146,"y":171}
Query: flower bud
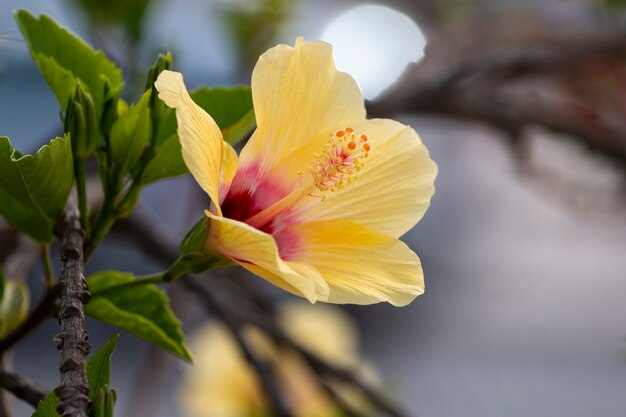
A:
{"x":81,"y":124}
{"x":157,"y":107}
{"x":14,"y":305}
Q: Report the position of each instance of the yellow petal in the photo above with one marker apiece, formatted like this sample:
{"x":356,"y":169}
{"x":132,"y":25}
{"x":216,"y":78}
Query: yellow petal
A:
{"x":360,"y":265}
{"x":257,"y":252}
{"x":228,"y":170}
{"x":298,"y":94}
{"x":200,"y":137}
{"x":392,"y":191}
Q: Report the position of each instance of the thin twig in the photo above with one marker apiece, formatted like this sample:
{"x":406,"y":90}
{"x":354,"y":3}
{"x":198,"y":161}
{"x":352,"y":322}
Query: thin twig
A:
{"x":6,"y":407}
{"x":72,"y":341}
{"x":22,"y":388}
{"x":48,"y":275}
{"x":42,"y":312}
{"x":348,"y":410}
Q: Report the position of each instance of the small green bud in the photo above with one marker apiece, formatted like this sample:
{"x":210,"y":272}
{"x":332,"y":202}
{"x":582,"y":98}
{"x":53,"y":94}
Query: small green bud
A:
{"x":157,"y":107}
{"x":98,"y":404}
{"x":110,"y":108}
{"x":14,"y":306}
{"x":81,"y":123}
{"x":111,"y":397}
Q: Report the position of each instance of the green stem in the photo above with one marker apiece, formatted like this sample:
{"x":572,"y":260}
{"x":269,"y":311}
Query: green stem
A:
{"x":97,"y":236}
{"x":80,"y":170}
{"x":111,"y":211}
{"x":103,"y":223}
{"x":175,"y":271}
{"x":48,"y":276}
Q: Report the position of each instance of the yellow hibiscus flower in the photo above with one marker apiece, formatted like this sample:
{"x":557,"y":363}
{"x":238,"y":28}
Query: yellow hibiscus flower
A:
{"x":319,"y":196}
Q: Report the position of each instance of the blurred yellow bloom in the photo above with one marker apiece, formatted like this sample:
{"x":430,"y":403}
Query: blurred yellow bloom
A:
{"x":221,"y":383}
{"x":319,"y":196}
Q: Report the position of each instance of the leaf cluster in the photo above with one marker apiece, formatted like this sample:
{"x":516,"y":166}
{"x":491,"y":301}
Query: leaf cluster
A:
{"x":133,"y":143}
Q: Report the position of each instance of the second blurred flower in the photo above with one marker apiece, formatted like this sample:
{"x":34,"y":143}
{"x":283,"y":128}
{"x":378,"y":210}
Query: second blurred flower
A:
{"x":222,"y":384}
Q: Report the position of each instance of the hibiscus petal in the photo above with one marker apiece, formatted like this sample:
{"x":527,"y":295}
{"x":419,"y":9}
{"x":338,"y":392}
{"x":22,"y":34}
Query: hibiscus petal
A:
{"x":229,"y":169}
{"x":200,"y":137}
{"x":360,"y":265}
{"x":392,"y":191}
{"x":298,"y":94}
{"x":257,"y":252}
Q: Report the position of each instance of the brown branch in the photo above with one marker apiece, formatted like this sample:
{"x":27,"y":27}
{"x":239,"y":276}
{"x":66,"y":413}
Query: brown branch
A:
{"x":22,"y":388}
{"x":72,"y":341}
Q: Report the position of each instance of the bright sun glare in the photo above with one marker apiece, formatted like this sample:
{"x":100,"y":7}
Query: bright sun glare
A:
{"x":374,"y":44}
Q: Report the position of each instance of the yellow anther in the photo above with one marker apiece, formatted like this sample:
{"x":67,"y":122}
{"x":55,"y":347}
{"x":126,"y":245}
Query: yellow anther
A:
{"x":335,"y":166}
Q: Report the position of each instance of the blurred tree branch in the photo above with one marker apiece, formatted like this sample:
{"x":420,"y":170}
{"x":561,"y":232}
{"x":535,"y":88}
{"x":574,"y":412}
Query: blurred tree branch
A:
{"x":22,"y":388}
{"x":566,"y":85}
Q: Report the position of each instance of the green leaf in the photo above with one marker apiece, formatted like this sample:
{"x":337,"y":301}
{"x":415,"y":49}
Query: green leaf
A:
{"x":230,"y":107}
{"x":63,"y":59}
{"x":13,"y":306}
{"x":142,"y":311}
{"x":168,"y":162}
{"x":25,"y":219}
{"x":129,"y":136}
{"x":99,"y":366}
{"x":47,"y":407}
{"x":60,"y":80}
{"x":35,"y":188}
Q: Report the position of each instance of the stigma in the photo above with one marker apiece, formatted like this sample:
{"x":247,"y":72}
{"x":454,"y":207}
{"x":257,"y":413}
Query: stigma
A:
{"x":340,"y":161}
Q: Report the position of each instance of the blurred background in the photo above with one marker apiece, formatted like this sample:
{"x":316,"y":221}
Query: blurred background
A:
{"x":522,"y":104}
